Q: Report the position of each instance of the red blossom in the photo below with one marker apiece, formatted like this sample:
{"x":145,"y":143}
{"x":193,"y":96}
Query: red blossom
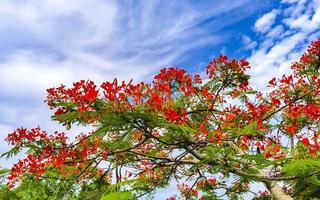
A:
{"x":272,"y":82}
{"x":306,"y":142}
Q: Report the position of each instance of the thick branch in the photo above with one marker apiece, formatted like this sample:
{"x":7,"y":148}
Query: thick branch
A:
{"x":277,"y":191}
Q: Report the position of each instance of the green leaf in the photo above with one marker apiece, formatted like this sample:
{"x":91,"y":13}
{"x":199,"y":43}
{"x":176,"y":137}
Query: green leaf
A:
{"x":261,"y":161}
{"x":301,"y":167}
{"x":14,"y":151}
{"x":313,"y":180}
{"x":100,"y":132}
{"x":4,"y":171}
{"x":251,"y":129}
{"x":65,"y":104}
{"x":67,"y":119}
{"x":126,"y":195}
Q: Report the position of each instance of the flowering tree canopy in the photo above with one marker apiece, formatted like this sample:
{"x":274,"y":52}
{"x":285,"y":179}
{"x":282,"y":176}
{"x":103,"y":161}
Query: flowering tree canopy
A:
{"x":214,"y":135}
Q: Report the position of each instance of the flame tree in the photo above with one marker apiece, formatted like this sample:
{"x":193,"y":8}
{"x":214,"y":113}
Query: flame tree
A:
{"x":215,"y":137}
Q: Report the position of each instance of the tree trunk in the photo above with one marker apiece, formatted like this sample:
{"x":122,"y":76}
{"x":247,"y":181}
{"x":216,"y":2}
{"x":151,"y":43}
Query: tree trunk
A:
{"x":277,"y":191}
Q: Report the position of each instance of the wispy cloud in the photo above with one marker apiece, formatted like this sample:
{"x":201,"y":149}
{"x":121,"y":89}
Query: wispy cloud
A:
{"x":264,"y":23}
{"x":49,"y":42}
{"x":46,"y":43}
{"x":284,"y":42}
{"x":248,"y":43}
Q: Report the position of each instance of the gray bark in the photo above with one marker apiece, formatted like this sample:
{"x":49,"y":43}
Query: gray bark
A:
{"x":278,"y":192}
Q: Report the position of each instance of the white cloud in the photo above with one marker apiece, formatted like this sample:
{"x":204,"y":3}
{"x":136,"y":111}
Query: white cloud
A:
{"x":275,"y":32}
{"x":82,"y":22}
{"x":55,"y":41}
{"x":248,"y":42}
{"x":284,"y":43}
{"x":46,"y":43}
{"x":4,"y":130}
{"x":31,"y":75}
{"x":264,"y":23}
{"x":293,"y":1}
{"x":304,"y":16}
{"x":279,"y":51}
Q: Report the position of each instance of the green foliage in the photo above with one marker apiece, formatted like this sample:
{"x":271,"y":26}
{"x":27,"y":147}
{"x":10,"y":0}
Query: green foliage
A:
{"x":126,"y":195}
{"x":33,"y":189}
{"x":68,"y":119}
{"x":261,"y":161}
{"x":13,"y":152}
{"x":268,"y":197}
{"x":251,"y":129}
{"x":308,"y":185}
{"x":4,"y":171}
{"x":301,"y":167}
{"x":210,"y":196}
{"x":54,"y":189}
{"x":92,"y":191}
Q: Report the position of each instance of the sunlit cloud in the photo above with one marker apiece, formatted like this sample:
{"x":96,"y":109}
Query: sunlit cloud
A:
{"x":284,"y":42}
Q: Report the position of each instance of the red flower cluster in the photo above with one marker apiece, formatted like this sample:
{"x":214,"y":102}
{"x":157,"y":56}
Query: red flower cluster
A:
{"x":50,"y":150}
{"x":274,"y":151}
{"x":22,"y":137}
{"x":186,"y":191}
{"x":313,"y":148}
{"x":123,"y":96}
{"x":228,"y":71}
{"x":176,"y":116}
{"x":258,"y":111}
{"x":210,"y":182}
{"x":174,"y":78}
{"x":309,"y":61}
{"x":223,"y":63}
{"x":32,"y":164}
{"x":121,"y":93}
{"x":80,"y":97}
{"x":309,"y":111}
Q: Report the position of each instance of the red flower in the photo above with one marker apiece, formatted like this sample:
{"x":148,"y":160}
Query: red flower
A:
{"x":286,"y":80}
{"x":203,"y":128}
{"x":172,"y":115}
{"x":104,"y":155}
{"x":197,"y":79}
{"x":291,"y":129}
{"x":276,"y":102}
{"x":306,"y":142}
{"x":268,"y":155}
{"x":272,"y":82}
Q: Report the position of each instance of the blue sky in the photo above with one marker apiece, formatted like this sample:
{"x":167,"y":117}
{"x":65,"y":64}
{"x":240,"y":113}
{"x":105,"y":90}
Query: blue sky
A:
{"x":46,"y":43}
